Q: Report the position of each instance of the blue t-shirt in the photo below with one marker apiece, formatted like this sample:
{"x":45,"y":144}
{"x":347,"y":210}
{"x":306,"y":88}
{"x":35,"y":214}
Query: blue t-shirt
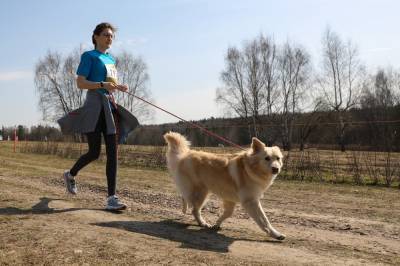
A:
{"x":96,"y":67}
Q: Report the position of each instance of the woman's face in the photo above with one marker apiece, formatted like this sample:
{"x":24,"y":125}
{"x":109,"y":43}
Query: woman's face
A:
{"x":105,"y":39}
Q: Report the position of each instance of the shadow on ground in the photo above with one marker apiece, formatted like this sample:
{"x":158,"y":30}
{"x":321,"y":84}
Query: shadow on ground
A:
{"x":42,"y":207}
{"x":188,"y":235}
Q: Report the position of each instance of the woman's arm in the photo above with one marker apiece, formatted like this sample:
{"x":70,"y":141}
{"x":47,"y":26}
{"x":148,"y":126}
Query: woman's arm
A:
{"x":83,"y":83}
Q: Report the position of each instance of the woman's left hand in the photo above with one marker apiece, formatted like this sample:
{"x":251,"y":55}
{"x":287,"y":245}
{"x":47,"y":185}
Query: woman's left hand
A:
{"x":122,"y":87}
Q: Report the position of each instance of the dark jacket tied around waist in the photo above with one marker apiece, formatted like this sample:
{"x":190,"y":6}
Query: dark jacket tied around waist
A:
{"x":84,"y":119}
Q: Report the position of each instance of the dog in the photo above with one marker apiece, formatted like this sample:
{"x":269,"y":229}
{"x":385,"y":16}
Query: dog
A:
{"x":235,"y":178}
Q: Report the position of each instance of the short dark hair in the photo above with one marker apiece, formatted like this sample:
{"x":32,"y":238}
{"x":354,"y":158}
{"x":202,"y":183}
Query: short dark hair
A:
{"x":99,"y":28}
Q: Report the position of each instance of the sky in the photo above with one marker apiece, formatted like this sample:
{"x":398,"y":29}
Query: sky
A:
{"x":183,"y":42}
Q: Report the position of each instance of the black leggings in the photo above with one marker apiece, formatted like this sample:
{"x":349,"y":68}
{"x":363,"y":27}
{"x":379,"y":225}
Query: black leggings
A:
{"x":94,"y":143}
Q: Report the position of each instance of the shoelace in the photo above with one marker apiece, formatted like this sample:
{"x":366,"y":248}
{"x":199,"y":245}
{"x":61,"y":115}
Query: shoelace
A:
{"x":113,"y":199}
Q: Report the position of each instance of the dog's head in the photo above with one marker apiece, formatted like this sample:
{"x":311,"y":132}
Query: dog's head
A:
{"x":265,"y":160}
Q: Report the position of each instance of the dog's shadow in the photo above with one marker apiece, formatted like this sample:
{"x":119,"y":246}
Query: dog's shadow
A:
{"x":188,"y":235}
{"x":42,"y":207}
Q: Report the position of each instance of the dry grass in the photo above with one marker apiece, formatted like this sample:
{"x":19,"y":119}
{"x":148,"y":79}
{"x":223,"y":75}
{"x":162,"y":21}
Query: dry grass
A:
{"x":326,"y":224}
{"x":353,"y":167}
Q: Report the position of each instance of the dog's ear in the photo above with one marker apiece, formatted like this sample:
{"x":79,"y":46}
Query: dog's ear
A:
{"x":257,"y":145}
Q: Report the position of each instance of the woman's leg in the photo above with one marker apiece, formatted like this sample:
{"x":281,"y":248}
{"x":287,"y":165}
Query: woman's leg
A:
{"x":94,"y":143}
{"x":111,"y":166}
{"x":113,"y":202}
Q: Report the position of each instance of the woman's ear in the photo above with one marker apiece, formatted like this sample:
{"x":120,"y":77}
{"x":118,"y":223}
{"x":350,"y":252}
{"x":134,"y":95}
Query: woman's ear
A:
{"x":95,"y":37}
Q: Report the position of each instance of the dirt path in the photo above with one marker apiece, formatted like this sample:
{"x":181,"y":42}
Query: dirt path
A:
{"x":324,"y":224}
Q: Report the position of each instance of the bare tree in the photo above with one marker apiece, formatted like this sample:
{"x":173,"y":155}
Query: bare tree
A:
{"x":378,"y":100}
{"x":294,"y":70}
{"x":397,"y":87}
{"x":73,"y":95}
{"x":340,"y":79}
{"x":234,"y":94}
{"x":249,"y":81}
{"x":379,"y":90}
{"x":310,"y":122}
{"x":55,"y":81}
{"x":133,"y":72}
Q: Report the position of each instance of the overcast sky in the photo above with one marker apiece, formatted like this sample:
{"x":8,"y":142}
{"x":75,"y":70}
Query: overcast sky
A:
{"x":183,"y":42}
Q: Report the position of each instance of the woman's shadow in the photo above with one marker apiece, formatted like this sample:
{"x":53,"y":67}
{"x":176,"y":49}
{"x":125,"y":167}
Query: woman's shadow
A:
{"x":42,"y":207}
{"x":189,"y":236}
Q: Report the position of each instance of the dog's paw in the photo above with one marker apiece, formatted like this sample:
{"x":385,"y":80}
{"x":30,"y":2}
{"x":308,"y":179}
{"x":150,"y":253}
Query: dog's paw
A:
{"x":215,"y":227}
{"x":206,"y":225}
{"x":280,"y":237}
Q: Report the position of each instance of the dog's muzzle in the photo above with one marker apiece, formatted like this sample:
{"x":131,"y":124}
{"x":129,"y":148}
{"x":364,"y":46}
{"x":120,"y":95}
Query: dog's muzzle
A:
{"x":275,"y":170}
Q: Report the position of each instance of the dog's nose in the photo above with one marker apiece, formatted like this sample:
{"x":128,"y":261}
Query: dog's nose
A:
{"x":275,"y":170}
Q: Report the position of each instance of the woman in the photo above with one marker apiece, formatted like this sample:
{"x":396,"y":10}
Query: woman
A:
{"x":99,"y":114}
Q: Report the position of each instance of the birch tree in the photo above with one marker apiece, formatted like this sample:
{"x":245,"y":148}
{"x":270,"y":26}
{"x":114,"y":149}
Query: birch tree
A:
{"x":55,"y":82}
{"x":340,"y":79}
{"x":249,"y":81}
{"x":294,"y":71}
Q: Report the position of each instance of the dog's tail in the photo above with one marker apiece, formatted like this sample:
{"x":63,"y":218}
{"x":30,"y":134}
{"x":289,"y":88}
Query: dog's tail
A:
{"x":177,"y":144}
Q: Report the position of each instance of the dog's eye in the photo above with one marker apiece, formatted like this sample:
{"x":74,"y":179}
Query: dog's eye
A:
{"x":267,"y":158}
{"x":278,"y":158}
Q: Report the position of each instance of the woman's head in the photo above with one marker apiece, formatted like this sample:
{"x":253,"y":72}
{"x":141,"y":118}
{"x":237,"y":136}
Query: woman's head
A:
{"x":103,"y":35}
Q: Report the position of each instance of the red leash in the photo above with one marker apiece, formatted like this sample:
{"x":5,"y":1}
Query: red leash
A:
{"x":191,"y":123}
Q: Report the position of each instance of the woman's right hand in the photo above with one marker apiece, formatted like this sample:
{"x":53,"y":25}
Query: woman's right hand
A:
{"x":110,"y":86}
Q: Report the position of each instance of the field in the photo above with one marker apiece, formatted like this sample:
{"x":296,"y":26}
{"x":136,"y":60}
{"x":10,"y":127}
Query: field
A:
{"x":325,"y":224}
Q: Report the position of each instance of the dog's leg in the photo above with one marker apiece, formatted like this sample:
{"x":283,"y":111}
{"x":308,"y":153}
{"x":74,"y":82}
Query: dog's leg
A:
{"x":254,"y":209}
{"x":184,"y":205}
{"x":198,"y":200}
{"x":229,"y":206}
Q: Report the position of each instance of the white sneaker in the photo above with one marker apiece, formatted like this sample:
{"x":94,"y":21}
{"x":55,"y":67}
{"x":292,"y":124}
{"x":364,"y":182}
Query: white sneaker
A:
{"x":113,"y":204}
